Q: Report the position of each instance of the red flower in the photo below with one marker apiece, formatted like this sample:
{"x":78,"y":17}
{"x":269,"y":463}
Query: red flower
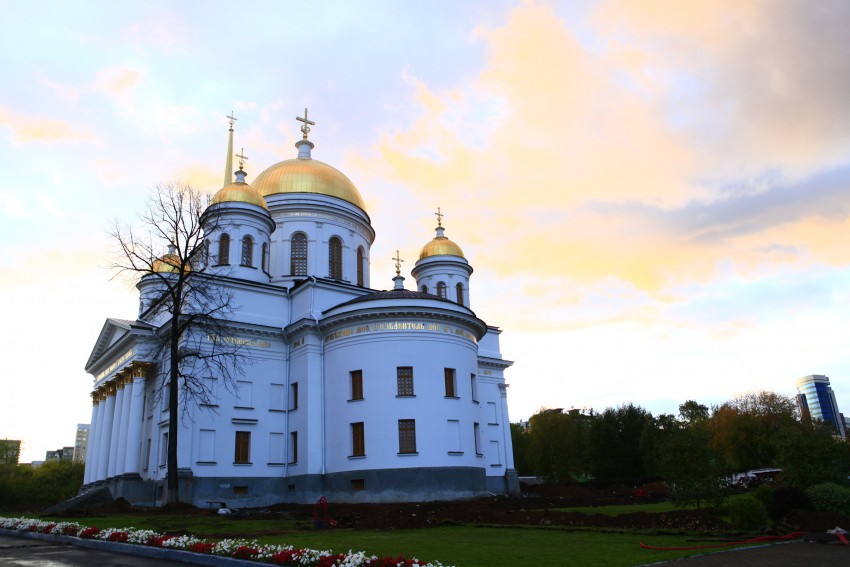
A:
{"x":156,"y":541}
{"x":120,"y":537}
{"x":89,"y":533}
{"x":245,"y":552}
{"x":202,"y":547}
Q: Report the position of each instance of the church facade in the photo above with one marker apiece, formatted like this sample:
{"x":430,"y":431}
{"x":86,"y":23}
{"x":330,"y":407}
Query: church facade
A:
{"x":350,"y":393}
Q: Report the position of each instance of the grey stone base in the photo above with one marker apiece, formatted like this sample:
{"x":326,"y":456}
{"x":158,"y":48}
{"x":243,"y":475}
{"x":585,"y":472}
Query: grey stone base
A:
{"x":381,"y":485}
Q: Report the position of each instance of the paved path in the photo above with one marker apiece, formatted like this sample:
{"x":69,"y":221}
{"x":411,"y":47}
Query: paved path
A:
{"x":23,"y":552}
{"x":794,"y":554}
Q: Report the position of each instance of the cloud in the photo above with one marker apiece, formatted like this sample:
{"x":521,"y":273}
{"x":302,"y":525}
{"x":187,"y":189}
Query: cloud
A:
{"x":118,"y":82}
{"x":634,"y":152}
{"x":27,"y":128}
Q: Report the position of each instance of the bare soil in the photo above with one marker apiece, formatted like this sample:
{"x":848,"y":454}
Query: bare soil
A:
{"x":539,"y":507}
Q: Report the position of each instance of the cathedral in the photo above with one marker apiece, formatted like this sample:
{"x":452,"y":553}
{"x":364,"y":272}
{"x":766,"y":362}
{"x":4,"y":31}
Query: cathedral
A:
{"x":351,"y":393}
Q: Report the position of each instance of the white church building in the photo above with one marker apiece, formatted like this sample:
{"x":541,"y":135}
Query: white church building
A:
{"x":351,"y":393}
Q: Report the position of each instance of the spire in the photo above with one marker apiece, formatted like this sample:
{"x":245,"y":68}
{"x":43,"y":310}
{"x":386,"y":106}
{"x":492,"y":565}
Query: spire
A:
{"x":398,"y":279}
{"x":304,"y":145}
{"x":228,"y":164}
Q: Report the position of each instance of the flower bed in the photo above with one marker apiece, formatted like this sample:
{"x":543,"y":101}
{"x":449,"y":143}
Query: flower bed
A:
{"x":234,"y":548}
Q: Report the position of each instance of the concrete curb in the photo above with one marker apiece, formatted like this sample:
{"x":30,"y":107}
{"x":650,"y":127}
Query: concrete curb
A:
{"x":137,"y":550}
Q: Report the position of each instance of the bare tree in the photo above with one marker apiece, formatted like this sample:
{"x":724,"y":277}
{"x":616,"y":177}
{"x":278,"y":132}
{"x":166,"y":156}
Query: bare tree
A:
{"x":188,"y":306}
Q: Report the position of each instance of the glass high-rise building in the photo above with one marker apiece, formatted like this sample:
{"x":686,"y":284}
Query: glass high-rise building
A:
{"x":816,"y":400}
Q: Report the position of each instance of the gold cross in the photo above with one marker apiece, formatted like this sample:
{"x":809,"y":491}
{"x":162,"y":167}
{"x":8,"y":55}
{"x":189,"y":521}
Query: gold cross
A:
{"x":398,"y":262}
{"x":307,"y":123}
{"x":241,"y":157}
{"x":232,"y":120}
{"x":439,"y":217}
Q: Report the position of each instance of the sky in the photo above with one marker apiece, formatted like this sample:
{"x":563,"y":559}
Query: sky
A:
{"x":655,"y":196}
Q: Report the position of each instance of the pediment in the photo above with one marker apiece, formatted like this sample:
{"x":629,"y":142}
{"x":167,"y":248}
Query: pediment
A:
{"x":113,"y":331}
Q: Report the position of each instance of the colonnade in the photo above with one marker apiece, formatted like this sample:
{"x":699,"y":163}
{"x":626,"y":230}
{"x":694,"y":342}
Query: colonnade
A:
{"x":115,"y":438}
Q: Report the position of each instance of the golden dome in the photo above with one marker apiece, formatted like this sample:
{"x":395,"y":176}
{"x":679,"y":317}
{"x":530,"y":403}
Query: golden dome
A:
{"x":305,"y":175}
{"x":239,"y":192}
{"x":168,"y":264}
{"x":441,"y":246}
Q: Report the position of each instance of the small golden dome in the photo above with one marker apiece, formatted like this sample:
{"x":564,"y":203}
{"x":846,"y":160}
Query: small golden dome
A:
{"x":168,"y":264}
{"x":306,"y":175}
{"x":441,"y":246}
{"x":239,"y":192}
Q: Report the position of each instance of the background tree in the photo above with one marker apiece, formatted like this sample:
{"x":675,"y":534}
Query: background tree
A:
{"x":520,"y":439}
{"x":189,"y":306}
{"x":10,"y":451}
{"x":810,"y":454}
{"x":557,"y":445}
{"x":615,"y":442}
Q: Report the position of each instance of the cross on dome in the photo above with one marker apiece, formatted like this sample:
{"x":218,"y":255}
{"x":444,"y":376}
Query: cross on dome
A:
{"x":398,"y":262}
{"x":232,"y":120}
{"x":241,"y":157}
{"x":439,"y":217}
{"x":305,"y":129}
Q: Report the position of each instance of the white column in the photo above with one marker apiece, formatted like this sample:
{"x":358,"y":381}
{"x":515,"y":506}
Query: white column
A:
{"x":134,"y":425}
{"x":97,"y":437}
{"x":105,"y":438}
{"x":122,"y":431}
{"x":505,"y":424}
{"x":115,"y":436}
{"x":87,"y":478}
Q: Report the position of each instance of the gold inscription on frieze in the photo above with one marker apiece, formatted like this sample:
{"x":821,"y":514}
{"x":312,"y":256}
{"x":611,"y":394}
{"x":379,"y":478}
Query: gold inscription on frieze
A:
{"x":400,"y":326}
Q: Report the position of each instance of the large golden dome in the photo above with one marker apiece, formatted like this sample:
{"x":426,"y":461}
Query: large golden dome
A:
{"x":239,"y":192}
{"x":441,"y":246}
{"x":306,"y":175}
{"x":168,"y":264}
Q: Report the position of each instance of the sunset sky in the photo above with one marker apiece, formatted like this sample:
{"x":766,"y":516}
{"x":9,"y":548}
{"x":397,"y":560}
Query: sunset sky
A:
{"x":655,"y":196}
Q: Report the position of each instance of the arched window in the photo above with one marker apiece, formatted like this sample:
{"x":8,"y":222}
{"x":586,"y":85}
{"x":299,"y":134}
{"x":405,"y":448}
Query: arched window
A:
{"x":265,"y":257}
{"x":298,"y":261}
{"x":206,"y":253}
{"x":224,"y":250}
{"x":441,"y":289}
{"x":247,"y":251}
{"x":360,"y":266}
{"x":424,"y":289}
{"x":459,"y":289}
{"x":335,"y":258}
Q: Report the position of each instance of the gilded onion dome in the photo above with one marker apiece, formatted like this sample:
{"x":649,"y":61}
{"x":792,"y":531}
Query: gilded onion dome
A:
{"x":239,"y":192}
{"x":307,"y":175}
{"x":441,"y":246}
{"x":168,"y":263}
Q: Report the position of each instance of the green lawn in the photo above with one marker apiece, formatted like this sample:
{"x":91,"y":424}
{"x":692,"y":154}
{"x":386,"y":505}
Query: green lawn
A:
{"x":464,"y":546}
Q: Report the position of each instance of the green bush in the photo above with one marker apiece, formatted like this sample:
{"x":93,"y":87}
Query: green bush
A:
{"x":747,"y":512}
{"x":763,"y":494}
{"x":830,"y":497}
{"x":785,"y":500}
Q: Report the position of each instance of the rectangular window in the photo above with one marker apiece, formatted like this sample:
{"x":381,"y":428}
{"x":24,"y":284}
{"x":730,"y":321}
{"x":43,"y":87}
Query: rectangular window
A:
{"x":358,"y":484}
{"x":146,"y":458}
{"x":276,"y":448}
{"x":406,"y":436}
{"x":242,"y":454}
{"x":163,"y":450}
{"x":453,"y":436}
{"x":293,"y":447}
{"x":491,"y":413}
{"x":476,"y":433}
{"x":244,"y":394}
{"x":356,"y":384}
{"x":358,"y":440}
{"x":206,"y":446}
{"x":293,"y":396}
{"x":473,"y":382}
{"x":276,"y":396}
{"x":404,"y":376}
{"x":494,"y":456}
{"x":449,"y":377}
